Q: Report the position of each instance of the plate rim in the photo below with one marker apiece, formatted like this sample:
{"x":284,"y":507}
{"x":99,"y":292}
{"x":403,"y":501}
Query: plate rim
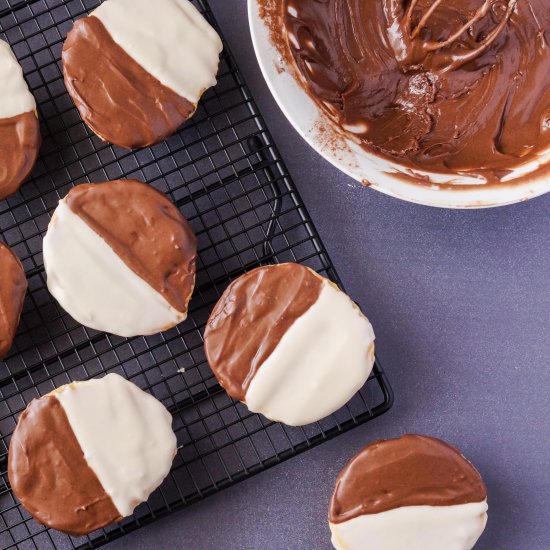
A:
{"x":470,"y":199}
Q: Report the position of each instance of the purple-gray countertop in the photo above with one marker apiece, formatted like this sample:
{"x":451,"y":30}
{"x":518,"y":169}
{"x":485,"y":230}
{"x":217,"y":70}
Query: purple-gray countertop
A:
{"x":460,"y":302}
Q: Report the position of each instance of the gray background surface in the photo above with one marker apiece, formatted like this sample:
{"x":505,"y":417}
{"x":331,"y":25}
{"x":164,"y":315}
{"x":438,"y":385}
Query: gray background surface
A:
{"x":460,"y":302}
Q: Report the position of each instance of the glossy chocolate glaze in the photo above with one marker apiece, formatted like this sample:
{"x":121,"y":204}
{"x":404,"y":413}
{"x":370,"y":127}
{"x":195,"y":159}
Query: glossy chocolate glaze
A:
{"x":19,"y":144}
{"x":146,"y":230}
{"x":478,"y":105}
{"x":13,"y":287}
{"x":49,"y":473}
{"x":116,"y":97}
{"x":412,"y":470}
{"x":250,"y":319}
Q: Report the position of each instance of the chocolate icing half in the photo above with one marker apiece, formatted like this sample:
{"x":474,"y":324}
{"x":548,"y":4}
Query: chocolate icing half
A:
{"x":479,"y":104}
{"x":115,"y":96}
{"x":19,"y":144}
{"x":252,"y":316}
{"x":49,"y":473}
{"x":412,"y":470}
{"x":146,"y":230}
{"x":13,"y":286}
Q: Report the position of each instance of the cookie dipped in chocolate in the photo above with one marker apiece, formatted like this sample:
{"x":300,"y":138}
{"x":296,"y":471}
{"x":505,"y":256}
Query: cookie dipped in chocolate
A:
{"x":19,"y":144}
{"x":412,"y":470}
{"x":50,"y":475}
{"x":289,"y":343}
{"x":145,"y":230}
{"x":120,"y":258}
{"x":456,"y":87}
{"x":88,"y":453}
{"x":137,"y":69}
{"x":252,"y":316}
{"x":13,"y":286}
{"x":19,"y":128}
{"x":118,"y":99}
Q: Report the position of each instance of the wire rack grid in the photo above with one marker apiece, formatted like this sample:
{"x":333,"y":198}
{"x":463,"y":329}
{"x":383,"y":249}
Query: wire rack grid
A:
{"x":224,"y":173}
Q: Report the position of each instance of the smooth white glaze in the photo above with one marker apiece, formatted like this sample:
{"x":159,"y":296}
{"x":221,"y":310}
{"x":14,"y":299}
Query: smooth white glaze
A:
{"x":170,"y":39}
{"x":322,"y":360}
{"x":125,"y":434}
{"x":94,"y":285}
{"x":15,"y":98}
{"x":413,"y":528}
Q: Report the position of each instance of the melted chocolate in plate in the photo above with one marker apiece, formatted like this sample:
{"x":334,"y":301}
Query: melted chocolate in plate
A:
{"x":422,"y":183}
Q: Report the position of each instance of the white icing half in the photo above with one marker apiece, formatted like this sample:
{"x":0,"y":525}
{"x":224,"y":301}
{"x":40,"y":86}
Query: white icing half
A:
{"x":413,"y":528}
{"x":94,"y":285}
{"x":322,"y":360}
{"x":170,"y":39}
{"x":15,"y":98}
{"x":125,"y":434}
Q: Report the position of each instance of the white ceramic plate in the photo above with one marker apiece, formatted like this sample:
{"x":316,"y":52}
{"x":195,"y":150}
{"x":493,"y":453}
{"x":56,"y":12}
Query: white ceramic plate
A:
{"x":317,"y":129}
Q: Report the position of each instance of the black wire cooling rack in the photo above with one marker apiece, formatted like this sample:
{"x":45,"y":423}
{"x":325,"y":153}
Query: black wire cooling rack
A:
{"x":226,"y":176}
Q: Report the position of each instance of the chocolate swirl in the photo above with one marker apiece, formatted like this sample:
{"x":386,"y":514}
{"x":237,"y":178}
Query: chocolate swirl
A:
{"x":479,"y":104}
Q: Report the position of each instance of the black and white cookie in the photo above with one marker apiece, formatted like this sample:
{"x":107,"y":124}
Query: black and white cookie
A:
{"x":13,"y":287}
{"x":120,"y":258}
{"x":19,"y":129}
{"x":289,"y":344}
{"x":410,"y":493}
{"x":136,"y":69}
{"x":87,"y":454}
